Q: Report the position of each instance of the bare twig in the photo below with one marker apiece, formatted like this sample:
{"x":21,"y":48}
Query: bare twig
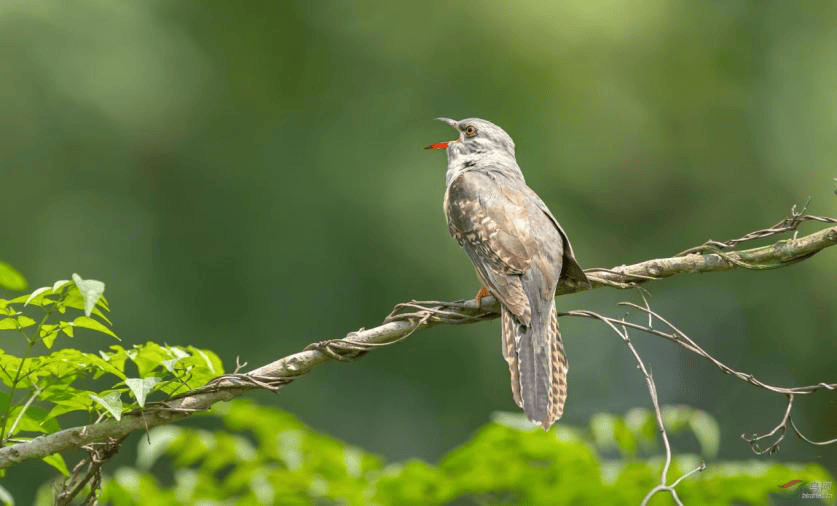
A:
{"x":88,"y":472}
{"x":677,"y":336}
{"x":789,"y":224}
{"x":409,"y":317}
{"x":652,"y":390}
{"x":781,"y":429}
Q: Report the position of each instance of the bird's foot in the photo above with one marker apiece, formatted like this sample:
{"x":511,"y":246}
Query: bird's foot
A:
{"x":482,"y":293}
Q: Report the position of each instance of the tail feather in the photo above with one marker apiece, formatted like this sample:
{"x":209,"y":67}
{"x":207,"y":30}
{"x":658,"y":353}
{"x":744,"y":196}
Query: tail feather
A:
{"x":560,"y":367}
{"x":510,"y":353}
{"x":534,"y":375}
{"x":537,"y":365}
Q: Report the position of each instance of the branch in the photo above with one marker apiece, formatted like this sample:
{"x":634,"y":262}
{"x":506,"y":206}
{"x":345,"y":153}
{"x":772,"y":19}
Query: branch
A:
{"x":710,"y":257}
{"x":409,"y":317}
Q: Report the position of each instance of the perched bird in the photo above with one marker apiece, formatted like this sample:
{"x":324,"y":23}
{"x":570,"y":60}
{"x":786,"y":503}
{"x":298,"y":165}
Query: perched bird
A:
{"x":520,"y":254}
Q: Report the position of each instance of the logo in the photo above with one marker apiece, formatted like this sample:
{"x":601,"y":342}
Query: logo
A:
{"x":814,"y":489}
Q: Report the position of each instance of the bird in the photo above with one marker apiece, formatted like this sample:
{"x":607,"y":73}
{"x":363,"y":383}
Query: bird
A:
{"x":520,"y":254}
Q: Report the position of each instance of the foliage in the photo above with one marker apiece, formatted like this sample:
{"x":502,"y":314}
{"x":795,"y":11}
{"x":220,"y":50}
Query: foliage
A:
{"x":10,"y":278}
{"x":46,"y":382}
{"x":265,"y":456}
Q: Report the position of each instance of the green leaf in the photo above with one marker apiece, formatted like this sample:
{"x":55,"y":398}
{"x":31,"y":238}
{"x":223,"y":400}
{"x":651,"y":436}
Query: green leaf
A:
{"x":6,"y":497}
{"x":159,"y":440}
{"x":204,"y":365}
{"x":91,"y":290}
{"x":16,"y":323}
{"x":8,"y":365}
{"x":10,"y":278}
{"x":66,"y":399}
{"x":6,"y":309}
{"x":707,"y":432}
{"x":213,"y":363}
{"x":62,"y":365}
{"x":48,"y":334}
{"x":611,"y":431}
{"x":140,"y":387}
{"x":114,"y":359}
{"x":35,"y":294}
{"x":49,"y":339}
{"x":67,"y":328}
{"x":57,"y":461}
{"x":89,"y":323}
{"x":110,"y":402}
{"x":169,"y":364}
{"x":103,"y":303}
{"x":603,"y":427}
{"x":191,"y":365}
{"x":642,"y":423}
{"x":676,"y":418}
{"x":115,"y":366}
{"x":61,"y":283}
{"x":147,"y":357}
{"x":57,"y":410}
{"x":74,"y":299}
{"x":34,"y":419}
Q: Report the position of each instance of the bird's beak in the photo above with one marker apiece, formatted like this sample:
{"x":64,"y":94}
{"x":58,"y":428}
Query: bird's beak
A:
{"x":443,"y":145}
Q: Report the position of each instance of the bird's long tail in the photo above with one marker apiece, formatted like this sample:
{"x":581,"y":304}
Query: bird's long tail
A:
{"x":537,"y":364}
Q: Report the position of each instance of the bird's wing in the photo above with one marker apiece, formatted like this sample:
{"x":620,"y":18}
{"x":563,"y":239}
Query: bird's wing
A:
{"x":571,"y":271}
{"x":493,"y":228}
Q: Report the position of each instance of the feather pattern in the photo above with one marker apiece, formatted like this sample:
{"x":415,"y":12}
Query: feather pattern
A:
{"x":509,"y":338}
{"x":560,"y":367}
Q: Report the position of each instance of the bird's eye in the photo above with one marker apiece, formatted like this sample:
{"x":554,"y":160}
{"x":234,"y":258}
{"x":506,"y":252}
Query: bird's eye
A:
{"x":470,"y":130}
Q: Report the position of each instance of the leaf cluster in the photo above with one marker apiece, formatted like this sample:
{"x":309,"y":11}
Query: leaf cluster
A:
{"x":47,"y":382}
{"x":265,"y":456}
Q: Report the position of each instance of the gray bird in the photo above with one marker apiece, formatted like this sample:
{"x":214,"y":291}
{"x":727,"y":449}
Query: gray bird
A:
{"x":520,"y":254}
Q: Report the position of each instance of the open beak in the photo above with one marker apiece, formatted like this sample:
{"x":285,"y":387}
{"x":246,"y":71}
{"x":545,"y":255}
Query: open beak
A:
{"x":443,"y":145}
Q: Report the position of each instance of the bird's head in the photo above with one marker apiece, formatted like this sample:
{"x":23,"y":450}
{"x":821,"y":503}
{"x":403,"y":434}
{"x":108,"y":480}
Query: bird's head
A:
{"x":477,"y":137}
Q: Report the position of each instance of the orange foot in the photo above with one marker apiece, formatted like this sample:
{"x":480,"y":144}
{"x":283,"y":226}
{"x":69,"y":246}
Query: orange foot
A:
{"x":482,"y":293}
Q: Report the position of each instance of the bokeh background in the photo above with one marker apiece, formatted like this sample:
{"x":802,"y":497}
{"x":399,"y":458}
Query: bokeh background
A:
{"x":248,"y":177}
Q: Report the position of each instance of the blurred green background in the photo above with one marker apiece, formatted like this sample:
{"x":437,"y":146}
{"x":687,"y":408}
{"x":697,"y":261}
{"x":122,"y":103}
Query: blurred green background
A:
{"x":248,"y":177}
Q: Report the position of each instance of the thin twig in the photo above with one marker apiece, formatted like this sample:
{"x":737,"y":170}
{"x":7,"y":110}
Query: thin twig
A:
{"x":73,"y":485}
{"x":681,"y":338}
{"x":652,"y":391}
{"x":677,"y":336}
{"x":789,"y":224}
{"x":781,"y":429}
